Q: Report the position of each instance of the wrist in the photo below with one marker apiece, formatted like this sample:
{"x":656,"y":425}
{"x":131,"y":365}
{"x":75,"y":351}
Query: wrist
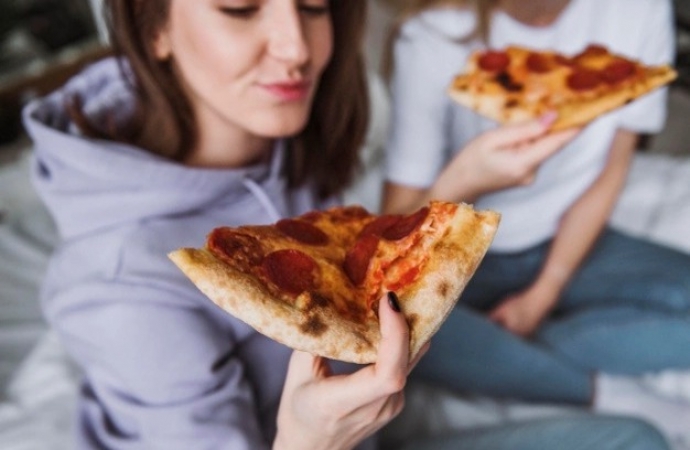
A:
{"x":548,"y":290}
{"x":554,"y":278}
{"x":457,"y":189}
{"x":302,"y":441}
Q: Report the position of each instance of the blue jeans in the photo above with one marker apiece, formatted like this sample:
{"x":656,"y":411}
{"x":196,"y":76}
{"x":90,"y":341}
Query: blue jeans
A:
{"x":626,"y":311}
{"x":572,"y":433}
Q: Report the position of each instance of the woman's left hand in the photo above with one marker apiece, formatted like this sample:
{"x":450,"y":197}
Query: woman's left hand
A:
{"x":522,"y":313}
{"x":323,"y":411}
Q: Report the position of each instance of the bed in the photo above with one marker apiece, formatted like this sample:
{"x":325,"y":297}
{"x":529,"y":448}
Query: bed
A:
{"x":38,"y":384}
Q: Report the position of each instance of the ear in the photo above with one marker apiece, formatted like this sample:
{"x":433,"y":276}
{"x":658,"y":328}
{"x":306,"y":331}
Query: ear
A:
{"x":162,"y":47}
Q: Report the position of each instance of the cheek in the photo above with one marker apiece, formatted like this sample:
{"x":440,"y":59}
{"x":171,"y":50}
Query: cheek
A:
{"x":208,"y":56}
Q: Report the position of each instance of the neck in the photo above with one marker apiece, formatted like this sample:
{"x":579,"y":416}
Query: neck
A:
{"x":220,"y":145}
{"x":536,"y":13}
{"x":229,"y":154}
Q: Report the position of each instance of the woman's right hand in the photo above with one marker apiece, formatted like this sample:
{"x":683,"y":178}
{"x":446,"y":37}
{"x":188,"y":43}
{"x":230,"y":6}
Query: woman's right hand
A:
{"x":501,"y":158}
{"x":322,"y":411}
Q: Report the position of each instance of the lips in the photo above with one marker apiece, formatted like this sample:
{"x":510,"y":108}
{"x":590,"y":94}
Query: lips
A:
{"x":289,"y":91}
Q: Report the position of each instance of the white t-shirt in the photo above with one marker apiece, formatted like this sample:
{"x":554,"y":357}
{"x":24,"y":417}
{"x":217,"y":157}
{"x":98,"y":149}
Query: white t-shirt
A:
{"x":428,"y":128}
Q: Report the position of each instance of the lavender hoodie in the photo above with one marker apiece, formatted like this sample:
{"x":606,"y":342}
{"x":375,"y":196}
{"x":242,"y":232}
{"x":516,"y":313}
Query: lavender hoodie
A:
{"x":163,"y":367}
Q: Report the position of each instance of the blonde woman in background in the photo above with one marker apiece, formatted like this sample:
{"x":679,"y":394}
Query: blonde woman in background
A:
{"x":561,"y":299}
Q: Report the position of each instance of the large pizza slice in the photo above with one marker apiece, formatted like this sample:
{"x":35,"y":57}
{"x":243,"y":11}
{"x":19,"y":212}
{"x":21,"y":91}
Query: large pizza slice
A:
{"x":313,"y":282}
{"x":517,"y":83}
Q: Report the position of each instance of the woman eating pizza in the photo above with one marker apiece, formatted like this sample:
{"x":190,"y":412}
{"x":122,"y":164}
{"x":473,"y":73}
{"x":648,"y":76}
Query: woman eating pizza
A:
{"x":578,"y":304}
{"x":222,"y":112}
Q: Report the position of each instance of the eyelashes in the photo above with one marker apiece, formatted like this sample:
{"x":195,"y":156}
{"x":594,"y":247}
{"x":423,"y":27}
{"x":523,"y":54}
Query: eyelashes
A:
{"x":316,"y":10}
{"x":247,"y":12}
{"x":244,"y":12}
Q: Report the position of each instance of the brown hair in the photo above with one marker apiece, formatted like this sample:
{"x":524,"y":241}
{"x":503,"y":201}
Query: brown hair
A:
{"x":326,"y":151}
{"x":482,"y":8}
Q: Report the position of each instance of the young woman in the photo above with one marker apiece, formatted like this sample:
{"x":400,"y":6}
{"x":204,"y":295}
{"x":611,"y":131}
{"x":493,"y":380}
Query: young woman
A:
{"x":216,"y":112}
{"x":619,"y":304}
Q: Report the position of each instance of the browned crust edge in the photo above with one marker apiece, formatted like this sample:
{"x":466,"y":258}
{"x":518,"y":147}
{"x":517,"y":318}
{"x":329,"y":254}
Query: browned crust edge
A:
{"x":319,"y":332}
{"x":453,"y":261}
{"x":580,"y":113}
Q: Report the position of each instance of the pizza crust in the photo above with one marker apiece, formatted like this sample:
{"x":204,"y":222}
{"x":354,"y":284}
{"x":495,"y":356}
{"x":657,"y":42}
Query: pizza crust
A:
{"x":450,"y":267}
{"x":576,"y":114}
{"x":320,"y":330}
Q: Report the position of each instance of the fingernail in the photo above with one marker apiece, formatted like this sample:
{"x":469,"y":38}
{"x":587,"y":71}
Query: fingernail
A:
{"x":548,"y":118}
{"x":393,"y":301}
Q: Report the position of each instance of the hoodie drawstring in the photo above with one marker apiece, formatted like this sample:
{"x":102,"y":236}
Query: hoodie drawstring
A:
{"x":260,"y":194}
{"x":253,"y":187}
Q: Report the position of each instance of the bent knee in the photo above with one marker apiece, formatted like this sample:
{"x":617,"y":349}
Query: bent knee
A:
{"x":641,"y":435}
{"x":676,"y":296}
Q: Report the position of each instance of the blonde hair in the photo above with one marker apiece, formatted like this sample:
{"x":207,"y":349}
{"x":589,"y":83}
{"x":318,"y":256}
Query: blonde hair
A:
{"x":482,"y":9}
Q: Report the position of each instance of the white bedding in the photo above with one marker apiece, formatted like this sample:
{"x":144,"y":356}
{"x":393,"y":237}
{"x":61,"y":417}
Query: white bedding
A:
{"x":38,"y":384}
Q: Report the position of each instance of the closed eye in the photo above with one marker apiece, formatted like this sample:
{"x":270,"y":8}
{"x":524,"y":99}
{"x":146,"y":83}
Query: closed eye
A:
{"x":315,"y":10}
{"x":243,"y":12}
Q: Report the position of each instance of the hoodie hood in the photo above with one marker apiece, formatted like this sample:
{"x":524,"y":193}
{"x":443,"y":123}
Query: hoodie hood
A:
{"x":91,"y":184}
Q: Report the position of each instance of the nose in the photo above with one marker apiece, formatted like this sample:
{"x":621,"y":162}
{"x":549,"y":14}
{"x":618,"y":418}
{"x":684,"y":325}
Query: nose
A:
{"x":287,"y":40}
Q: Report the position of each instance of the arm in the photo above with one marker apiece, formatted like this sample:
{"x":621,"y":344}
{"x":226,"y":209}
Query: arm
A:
{"x":159,"y":372}
{"x":505,"y":157}
{"x":582,"y":223}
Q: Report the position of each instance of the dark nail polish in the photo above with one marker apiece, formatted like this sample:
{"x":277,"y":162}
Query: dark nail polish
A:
{"x":393,"y":301}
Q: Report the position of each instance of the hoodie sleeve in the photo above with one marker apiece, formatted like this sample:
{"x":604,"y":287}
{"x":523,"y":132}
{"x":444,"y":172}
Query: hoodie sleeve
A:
{"x":159,"y":376}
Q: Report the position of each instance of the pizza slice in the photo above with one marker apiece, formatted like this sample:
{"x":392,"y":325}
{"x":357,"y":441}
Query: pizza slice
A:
{"x":516,"y":84}
{"x":313,"y":282}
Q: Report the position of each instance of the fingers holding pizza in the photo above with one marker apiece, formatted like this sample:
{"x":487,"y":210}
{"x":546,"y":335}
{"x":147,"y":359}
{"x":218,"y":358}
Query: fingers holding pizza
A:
{"x":542,"y":99}
{"x":507,"y":156}
{"x":355,"y":405}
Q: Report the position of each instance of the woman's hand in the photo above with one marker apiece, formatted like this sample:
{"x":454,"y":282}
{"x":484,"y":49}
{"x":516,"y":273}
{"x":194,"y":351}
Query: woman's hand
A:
{"x":319,"y":410}
{"x":522,"y":313}
{"x":501,"y":158}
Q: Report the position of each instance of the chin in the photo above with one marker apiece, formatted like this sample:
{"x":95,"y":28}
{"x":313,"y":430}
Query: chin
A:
{"x":282,"y":126}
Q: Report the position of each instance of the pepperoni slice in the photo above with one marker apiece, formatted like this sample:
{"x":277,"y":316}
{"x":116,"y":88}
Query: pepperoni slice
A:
{"x":405,"y":225}
{"x":494,"y":61}
{"x":291,"y":270}
{"x":538,"y":63}
{"x":227,"y":243}
{"x":380,"y":224}
{"x":302,"y":231}
{"x":583,"y":80}
{"x":617,"y":71}
{"x":358,"y":258}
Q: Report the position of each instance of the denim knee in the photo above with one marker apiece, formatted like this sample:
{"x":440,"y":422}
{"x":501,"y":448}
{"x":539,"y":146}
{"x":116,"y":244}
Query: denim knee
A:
{"x":674,"y":296}
{"x":640,"y":435}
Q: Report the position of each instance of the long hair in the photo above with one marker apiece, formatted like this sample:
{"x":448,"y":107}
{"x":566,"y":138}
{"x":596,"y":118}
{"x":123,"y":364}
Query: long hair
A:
{"x":482,"y":9}
{"x":325,"y":152}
